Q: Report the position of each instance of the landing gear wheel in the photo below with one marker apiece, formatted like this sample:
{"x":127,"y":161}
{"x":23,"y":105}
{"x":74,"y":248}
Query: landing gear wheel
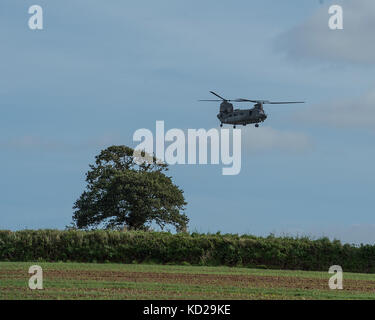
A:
{"x":221,"y":125}
{"x":234,"y":127}
{"x":257,"y":126}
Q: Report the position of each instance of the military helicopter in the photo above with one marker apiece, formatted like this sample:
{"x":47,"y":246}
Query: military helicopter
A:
{"x":243,"y":116}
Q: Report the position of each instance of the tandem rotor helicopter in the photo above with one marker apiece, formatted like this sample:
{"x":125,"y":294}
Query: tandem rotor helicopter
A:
{"x":243,"y":116}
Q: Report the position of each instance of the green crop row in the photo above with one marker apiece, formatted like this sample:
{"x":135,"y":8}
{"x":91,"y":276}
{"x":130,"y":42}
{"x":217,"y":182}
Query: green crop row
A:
{"x":183,"y":248}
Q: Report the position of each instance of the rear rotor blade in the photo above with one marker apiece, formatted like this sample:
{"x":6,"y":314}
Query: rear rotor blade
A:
{"x":246,"y":100}
{"x":267,"y":102}
{"x":287,"y":102}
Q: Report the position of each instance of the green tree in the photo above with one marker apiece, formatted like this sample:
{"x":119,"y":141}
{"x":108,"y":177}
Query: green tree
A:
{"x":121,"y":193}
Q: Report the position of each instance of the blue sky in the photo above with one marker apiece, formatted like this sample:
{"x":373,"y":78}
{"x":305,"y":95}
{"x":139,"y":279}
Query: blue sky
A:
{"x":99,"y":71}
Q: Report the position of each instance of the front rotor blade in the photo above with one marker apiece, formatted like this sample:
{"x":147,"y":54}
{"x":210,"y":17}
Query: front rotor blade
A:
{"x":218,"y":96}
{"x":212,"y":100}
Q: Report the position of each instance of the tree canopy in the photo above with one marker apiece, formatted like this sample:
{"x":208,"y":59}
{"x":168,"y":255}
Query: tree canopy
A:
{"x":123,"y":193}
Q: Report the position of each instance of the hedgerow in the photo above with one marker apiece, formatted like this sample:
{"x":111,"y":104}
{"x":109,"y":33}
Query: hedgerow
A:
{"x":183,"y":248}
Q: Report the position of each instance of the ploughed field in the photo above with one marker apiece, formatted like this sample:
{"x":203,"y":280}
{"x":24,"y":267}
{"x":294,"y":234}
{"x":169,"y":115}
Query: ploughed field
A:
{"x":141,"y":281}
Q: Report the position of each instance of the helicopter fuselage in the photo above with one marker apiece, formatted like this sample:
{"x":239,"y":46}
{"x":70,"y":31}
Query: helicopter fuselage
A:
{"x":242,"y":116}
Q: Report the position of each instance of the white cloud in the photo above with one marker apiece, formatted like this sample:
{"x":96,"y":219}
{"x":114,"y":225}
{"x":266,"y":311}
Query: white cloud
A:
{"x":40,"y":144}
{"x":269,"y":139}
{"x":342,"y":113}
{"x":313,"y":40}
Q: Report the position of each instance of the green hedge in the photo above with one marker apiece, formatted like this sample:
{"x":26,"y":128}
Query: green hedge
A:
{"x":195,"y":249}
